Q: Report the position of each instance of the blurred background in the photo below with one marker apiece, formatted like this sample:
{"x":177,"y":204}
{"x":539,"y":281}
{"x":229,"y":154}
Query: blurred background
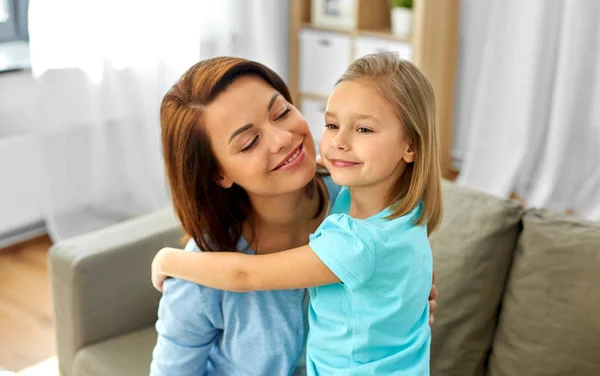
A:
{"x":517,"y":84}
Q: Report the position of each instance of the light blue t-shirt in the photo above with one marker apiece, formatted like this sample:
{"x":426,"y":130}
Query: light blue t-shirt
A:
{"x":376,"y":322}
{"x":208,"y":332}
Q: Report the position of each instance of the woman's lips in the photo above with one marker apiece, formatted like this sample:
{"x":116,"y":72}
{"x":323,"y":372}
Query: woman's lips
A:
{"x":293,"y":159}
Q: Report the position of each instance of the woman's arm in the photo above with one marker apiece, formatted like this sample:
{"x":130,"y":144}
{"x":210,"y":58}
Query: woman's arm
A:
{"x":186,"y":331}
{"x":292,"y":269}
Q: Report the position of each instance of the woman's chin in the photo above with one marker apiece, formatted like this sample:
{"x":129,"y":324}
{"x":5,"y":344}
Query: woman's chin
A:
{"x":308,"y":172}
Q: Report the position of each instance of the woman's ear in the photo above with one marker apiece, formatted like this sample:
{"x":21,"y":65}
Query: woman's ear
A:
{"x":224,"y":182}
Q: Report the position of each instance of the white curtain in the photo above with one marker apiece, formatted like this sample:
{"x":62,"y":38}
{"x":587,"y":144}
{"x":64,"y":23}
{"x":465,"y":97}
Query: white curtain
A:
{"x":102,"y":68}
{"x":528,"y":113}
{"x":252,"y":29}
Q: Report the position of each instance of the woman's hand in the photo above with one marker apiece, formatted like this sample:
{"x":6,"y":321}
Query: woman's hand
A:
{"x":433,"y":295}
{"x":158,"y":277}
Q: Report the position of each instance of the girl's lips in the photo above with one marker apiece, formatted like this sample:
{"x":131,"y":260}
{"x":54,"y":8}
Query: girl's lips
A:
{"x":342,"y":163}
{"x":293,"y":159}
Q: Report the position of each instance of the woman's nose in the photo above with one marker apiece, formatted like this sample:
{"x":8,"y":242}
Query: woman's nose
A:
{"x":280,"y":139}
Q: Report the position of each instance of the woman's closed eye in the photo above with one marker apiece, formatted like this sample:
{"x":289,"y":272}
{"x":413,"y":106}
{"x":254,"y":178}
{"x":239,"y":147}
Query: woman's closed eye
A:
{"x":251,"y":145}
{"x":285,"y":112}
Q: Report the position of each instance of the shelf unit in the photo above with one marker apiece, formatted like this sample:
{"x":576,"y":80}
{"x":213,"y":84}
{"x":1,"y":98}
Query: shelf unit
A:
{"x":433,"y":46}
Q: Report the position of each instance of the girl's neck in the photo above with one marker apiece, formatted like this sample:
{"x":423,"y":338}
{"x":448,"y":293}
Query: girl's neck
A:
{"x":284,"y":221}
{"x":367,"y":201}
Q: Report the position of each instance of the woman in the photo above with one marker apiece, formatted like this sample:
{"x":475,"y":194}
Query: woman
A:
{"x":240,"y":161}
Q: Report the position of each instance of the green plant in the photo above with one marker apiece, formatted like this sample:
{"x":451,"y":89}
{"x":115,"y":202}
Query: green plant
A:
{"x":402,"y":3}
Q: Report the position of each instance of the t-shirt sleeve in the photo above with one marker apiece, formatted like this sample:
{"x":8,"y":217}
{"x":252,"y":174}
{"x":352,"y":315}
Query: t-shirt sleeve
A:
{"x":346,"y":249}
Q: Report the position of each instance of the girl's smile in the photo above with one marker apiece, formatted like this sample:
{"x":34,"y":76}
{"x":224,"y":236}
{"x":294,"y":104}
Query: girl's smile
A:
{"x":342,"y":163}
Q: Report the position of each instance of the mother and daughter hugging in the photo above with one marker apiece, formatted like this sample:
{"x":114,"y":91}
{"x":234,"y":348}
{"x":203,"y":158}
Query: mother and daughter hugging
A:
{"x":265,"y":223}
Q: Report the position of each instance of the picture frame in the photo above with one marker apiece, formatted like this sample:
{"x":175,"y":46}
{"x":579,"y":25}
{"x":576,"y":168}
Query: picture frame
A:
{"x":339,"y":14}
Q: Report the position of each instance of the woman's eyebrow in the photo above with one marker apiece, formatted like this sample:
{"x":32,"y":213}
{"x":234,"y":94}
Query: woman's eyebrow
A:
{"x":272,"y":101}
{"x":239,"y":131}
{"x":249,"y":125}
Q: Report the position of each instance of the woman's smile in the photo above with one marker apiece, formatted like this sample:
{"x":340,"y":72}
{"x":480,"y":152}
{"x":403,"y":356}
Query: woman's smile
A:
{"x":293,"y":159}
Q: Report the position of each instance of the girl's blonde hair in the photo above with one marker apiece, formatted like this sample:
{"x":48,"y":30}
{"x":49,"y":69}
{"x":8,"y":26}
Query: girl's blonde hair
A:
{"x":405,"y":87}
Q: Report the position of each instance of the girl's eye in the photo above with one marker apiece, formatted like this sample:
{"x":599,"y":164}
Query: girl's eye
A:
{"x":251,"y":145}
{"x":331,"y":126}
{"x":364,"y":130}
{"x":284,"y":113}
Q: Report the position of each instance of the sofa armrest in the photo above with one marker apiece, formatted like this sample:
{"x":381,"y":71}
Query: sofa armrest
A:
{"x":101,"y":281}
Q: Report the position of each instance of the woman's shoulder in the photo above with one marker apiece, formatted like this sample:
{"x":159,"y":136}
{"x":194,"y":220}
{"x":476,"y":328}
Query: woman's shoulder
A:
{"x":187,"y":296}
{"x":242,"y":245}
{"x":187,"y":304}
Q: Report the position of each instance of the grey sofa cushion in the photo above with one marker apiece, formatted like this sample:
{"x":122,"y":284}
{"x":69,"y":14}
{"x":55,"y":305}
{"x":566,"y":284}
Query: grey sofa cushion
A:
{"x":550,"y":318}
{"x":472,"y":253}
{"x":125,"y":355}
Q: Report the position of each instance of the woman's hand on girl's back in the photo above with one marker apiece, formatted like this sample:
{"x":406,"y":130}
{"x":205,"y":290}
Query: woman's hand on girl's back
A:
{"x":433,"y":295}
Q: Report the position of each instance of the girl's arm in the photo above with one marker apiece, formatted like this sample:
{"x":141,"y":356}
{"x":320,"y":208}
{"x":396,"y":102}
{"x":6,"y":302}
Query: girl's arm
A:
{"x":293,"y":269}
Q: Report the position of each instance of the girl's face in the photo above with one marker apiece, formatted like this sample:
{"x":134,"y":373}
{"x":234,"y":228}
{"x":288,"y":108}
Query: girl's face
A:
{"x":261,"y":141}
{"x":363,"y":144}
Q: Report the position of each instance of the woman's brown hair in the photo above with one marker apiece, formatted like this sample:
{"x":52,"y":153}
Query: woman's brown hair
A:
{"x":405,"y":87}
{"x":211,"y":215}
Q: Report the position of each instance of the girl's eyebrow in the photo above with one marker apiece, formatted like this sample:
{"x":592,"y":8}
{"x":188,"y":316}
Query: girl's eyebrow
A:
{"x":366,"y":117}
{"x":357,"y":116}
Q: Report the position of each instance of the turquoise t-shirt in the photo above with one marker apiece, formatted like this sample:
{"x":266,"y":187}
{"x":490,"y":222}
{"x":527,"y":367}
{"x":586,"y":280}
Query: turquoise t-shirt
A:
{"x":376,"y":322}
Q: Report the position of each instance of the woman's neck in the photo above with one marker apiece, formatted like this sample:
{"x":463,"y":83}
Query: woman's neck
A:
{"x":284,"y":221}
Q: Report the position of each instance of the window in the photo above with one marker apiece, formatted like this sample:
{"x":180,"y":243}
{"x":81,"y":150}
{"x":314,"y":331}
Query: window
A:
{"x":14,"y":37}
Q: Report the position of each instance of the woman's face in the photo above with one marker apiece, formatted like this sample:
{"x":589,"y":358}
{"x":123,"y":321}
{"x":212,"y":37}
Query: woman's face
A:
{"x":261,"y":141}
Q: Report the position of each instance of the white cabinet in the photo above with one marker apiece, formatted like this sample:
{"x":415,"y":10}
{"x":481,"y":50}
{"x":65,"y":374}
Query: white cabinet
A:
{"x":368,"y":45}
{"x":20,"y":155}
{"x":20,"y":173}
{"x":314,"y":113}
{"x":324,"y":56}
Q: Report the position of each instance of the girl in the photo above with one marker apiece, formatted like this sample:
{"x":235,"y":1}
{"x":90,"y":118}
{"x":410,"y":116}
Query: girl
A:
{"x":229,"y":124}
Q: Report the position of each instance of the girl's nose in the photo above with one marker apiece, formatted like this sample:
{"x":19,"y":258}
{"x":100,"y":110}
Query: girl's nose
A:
{"x":339,"y":142}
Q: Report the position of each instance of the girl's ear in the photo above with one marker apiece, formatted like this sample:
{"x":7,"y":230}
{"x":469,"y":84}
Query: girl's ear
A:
{"x":408,"y":155}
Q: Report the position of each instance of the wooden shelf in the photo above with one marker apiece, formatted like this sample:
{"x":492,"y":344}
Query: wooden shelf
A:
{"x":313,"y":96}
{"x":308,"y":25}
{"x":383,"y":33}
{"x":434,"y":44}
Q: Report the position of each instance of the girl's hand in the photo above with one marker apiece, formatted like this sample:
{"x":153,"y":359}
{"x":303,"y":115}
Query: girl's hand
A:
{"x":158,"y":277}
{"x":433,"y":295}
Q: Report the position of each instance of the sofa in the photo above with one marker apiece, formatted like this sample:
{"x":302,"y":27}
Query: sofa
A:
{"x":518,"y":292}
